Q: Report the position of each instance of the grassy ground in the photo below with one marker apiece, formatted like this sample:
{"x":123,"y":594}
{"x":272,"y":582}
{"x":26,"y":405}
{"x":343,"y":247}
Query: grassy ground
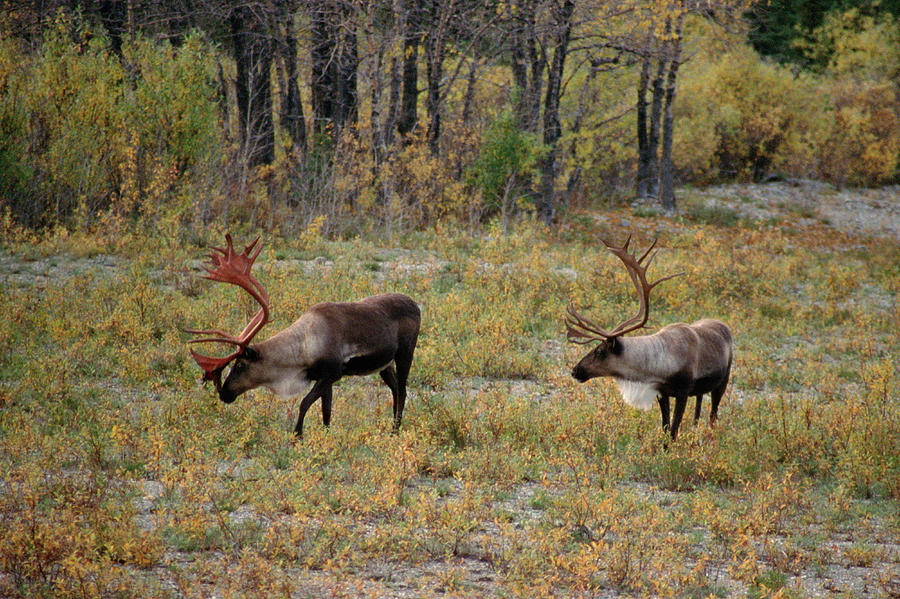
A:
{"x":123,"y":477}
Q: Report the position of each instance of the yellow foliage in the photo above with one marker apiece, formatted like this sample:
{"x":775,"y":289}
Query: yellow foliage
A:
{"x":863,"y":147}
{"x":738,"y":116}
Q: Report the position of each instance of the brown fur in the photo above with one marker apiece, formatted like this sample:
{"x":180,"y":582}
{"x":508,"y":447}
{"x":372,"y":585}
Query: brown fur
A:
{"x":679,"y":361}
{"x":329,"y":341}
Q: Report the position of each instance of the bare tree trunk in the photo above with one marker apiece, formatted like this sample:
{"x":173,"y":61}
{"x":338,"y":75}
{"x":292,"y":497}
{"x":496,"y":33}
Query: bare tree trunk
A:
{"x":528,"y":61}
{"x":381,"y":128}
{"x":390,"y":119}
{"x":375,"y":99}
{"x":410,"y":96}
{"x":348,"y":67}
{"x":643,"y":168}
{"x":438,"y":20}
{"x":575,"y":175}
{"x":335,"y":62}
{"x":653,"y":136}
{"x":552,"y":129}
{"x":252,"y":50}
{"x":667,"y":178}
{"x":322,"y":83}
{"x":469,"y":96}
{"x":293,"y":119}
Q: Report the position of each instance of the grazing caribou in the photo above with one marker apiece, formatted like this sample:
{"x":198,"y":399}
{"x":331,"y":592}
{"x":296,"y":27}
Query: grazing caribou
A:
{"x":329,"y":341}
{"x":680,"y":360}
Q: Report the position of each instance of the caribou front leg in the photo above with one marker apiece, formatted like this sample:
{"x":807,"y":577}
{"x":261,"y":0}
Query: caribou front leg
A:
{"x":322,"y":388}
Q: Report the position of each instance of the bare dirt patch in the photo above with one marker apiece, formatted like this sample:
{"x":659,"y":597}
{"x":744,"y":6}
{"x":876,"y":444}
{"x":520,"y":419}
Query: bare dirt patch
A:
{"x":855,"y":211}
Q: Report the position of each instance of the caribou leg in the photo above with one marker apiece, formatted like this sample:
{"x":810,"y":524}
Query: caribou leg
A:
{"x":320,"y":389}
{"x":680,"y":404}
{"x":664,"y":410}
{"x":389,"y":376}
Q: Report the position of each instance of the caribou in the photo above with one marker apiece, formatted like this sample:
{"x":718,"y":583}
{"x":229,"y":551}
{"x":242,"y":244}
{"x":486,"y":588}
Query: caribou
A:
{"x":329,"y":341}
{"x":680,"y":360}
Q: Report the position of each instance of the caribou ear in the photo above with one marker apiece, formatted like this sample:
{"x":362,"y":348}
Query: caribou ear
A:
{"x":615,"y":346}
{"x":250,"y":354}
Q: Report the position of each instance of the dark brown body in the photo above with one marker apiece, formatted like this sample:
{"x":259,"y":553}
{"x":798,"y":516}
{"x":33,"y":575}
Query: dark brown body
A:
{"x":331,"y":340}
{"x":679,"y":361}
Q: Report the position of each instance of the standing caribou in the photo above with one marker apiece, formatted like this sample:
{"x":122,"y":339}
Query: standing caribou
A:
{"x":680,"y":360}
{"x":329,"y":341}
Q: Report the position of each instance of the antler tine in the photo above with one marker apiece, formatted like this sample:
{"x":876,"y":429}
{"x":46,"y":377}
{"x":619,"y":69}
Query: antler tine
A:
{"x":581,"y":330}
{"x":227,"y":266}
{"x":649,"y":249}
{"x":637,"y":270}
{"x":578,"y":327}
{"x":665,"y":278}
{"x":611,"y":247}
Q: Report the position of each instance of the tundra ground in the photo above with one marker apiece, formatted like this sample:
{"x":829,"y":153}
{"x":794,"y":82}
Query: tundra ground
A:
{"x":123,"y":477}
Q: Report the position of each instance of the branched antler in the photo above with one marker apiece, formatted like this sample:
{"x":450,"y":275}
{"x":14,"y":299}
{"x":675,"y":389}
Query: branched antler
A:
{"x":227,"y":266}
{"x":582,"y":330}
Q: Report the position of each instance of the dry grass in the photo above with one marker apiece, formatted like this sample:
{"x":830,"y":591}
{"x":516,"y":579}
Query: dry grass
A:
{"x":123,"y":477}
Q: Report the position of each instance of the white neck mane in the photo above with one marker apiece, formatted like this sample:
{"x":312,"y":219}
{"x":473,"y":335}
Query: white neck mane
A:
{"x":637,"y":395}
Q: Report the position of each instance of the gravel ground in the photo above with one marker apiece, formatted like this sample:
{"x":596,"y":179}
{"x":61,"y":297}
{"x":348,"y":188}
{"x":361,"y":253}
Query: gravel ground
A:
{"x":873,"y":212}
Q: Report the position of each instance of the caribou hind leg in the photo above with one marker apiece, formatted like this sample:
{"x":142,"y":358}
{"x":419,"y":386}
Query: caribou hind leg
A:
{"x":389,"y":376}
{"x":716,"y":396}
{"x":403,"y":361}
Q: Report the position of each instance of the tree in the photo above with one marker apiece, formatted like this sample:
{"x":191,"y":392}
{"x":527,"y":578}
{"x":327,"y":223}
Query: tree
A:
{"x":292,"y":116}
{"x":656,"y":129}
{"x":252,"y":52}
{"x":335,"y":62}
{"x":648,"y":124}
{"x":777,"y":26}
{"x":410,"y":18}
{"x":527,"y":62}
{"x":560,"y":34}
{"x":666,"y":169}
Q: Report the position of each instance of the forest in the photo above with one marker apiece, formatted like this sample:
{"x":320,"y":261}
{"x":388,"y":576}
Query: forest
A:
{"x":395,"y":115}
{"x":479,"y":158}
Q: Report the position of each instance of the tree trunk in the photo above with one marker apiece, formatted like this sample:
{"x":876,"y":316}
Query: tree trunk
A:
{"x":527,"y":64}
{"x":348,"y":67}
{"x":335,"y":62}
{"x":643,"y":167}
{"x":293,"y":119}
{"x":667,"y":175}
{"x":390,"y":119}
{"x":552,"y":129}
{"x":469,"y":96}
{"x":652,"y":173}
{"x":410,"y":94}
{"x":252,"y":51}
{"x":322,"y":83}
{"x":440,"y":13}
{"x":575,"y":175}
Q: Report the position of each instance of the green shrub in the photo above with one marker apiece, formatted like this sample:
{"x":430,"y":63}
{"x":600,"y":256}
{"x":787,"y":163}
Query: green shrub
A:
{"x":83,"y":131}
{"x":505,"y":166}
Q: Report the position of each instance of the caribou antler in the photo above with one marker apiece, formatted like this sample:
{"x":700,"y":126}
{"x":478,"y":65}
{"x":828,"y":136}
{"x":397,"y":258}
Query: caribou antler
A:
{"x":227,"y":266}
{"x":581,"y":330}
